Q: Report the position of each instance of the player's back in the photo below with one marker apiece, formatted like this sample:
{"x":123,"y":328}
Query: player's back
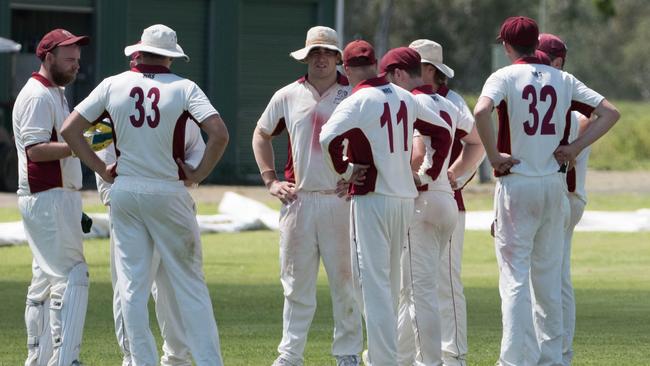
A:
{"x":533,"y":102}
{"x":149,"y":107}
{"x":377,"y":120}
{"x":439,"y":141}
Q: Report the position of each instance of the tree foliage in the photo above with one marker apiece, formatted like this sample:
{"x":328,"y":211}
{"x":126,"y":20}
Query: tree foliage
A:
{"x":607,"y":40}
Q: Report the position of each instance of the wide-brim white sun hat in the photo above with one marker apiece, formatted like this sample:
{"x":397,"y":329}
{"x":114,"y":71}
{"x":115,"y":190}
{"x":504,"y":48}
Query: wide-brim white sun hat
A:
{"x":318,"y":36}
{"x":158,"y":39}
{"x":431,"y":53}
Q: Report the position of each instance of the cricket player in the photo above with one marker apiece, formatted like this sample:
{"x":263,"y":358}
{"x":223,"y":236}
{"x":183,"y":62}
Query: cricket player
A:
{"x":375,"y":125}
{"x":466,"y":154}
{"x":435,"y":213}
{"x":150,"y":206}
{"x":556,"y":51}
{"x":175,"y":350}
{"x":314,"y":221}
{"x":533,"y":102}
{"x":50,"y":205}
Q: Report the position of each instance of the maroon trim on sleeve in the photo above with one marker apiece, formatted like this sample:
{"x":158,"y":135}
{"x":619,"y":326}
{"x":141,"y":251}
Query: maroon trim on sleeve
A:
{"x":289,"y":171}
{"x":359,"y":152}
{"x":457,"y":145}
{"x":282,"y":124}
{"x":44,"y":175}
{"x":42,"y":79}
{"x":150,"y":69}
{"x":571,"y":180}
{"x":178,"y":141}
{"x":456,"y":148}
{"x":567,"y":129}
{"x":441,"y":141}
{"x":423,"y":89}
{"x":583,"y":108}
{"x":370,"y":83}
{"x":443,"y":90}
{"x":503,"y":137}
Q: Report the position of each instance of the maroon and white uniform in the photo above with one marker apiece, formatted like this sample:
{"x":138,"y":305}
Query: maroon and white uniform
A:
{"x":451,"y":297}
{"x":375,"y":125}
{"x":50,"y":205}
{"x":534,"y":102}
{"x":316,"y":224}
{"x":175,"y":349}
{"x":577,"y":201}
{"x":433,"y":223}
{"x":151,"y":207}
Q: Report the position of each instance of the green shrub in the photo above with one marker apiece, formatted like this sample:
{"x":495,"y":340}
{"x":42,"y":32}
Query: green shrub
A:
{"x":626,"y":146}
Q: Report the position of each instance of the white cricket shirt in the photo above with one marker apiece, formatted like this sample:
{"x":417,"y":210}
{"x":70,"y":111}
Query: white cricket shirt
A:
{"x":433,"y":171}
{"x":149,"y":107}
{"x":38,"y":115}
{"x":194,"y":149}
{"x":376,"y":123}
{"x":302,"y":111}
{"x":457,"y":146}
{"x":534,"y":102}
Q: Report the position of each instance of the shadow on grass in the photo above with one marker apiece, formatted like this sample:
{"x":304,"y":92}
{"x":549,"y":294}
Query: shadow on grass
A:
{"x":613,"y":326}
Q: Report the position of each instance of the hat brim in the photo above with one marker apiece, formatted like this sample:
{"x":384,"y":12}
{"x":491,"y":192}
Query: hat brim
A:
{"x":448,"y":71}
{"x":78,"y":40}
{"x":301,"y":54}
{"x":139,"y":47}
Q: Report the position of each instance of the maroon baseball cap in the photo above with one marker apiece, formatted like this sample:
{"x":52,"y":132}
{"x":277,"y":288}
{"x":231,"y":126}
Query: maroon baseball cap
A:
{"x":56,"y":38}
{"x":404,"y":58}
{"x":359,"y":53}
{"x":552,"y":45}
{"x":519,"y":31}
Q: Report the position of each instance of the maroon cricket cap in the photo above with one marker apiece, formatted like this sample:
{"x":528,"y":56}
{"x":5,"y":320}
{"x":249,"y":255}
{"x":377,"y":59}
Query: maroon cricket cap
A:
{"x":404,"y":58}
{"x":542,"y":57}
{"x":552,"y":45}
{"x":519,"y":31}
{"x":56,"y":38}
{"x":359,"y":53}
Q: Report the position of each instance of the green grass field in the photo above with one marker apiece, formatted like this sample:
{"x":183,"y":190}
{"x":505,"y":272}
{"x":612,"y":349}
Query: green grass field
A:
{"x":610,"y":273}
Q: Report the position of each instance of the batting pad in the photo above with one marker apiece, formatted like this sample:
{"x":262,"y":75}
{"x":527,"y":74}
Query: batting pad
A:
{"x":99,"y":135}
{"x":68,"y":304}
{"x":39,"y":337}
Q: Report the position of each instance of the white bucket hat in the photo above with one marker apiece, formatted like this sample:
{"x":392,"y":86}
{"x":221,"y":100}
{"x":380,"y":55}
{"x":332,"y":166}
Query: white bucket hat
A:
{"x":431,"y":53}
{"x":318,"y":36}
{"x":158,"y":39}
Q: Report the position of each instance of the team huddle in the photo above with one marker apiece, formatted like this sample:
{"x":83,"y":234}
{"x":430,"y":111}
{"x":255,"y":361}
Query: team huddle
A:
{"x":373,"y":185}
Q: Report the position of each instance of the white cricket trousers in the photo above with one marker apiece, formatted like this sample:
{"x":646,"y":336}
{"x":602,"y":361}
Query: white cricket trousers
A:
{"x":451,"y":299}
{"x":568,"y":299}
{"x":379,"y":229}
{"x":52,"y":221}
{"x":175,"y":350}
{"x":419,"y":324}
{"x":148,"y":213}
{"x":314,"y":226}
{"x":531,"y":219}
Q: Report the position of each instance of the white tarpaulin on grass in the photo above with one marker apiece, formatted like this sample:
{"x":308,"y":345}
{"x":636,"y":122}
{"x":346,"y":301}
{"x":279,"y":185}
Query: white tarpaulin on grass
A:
{"x":7,"y":45}
{"x":239,"y":213}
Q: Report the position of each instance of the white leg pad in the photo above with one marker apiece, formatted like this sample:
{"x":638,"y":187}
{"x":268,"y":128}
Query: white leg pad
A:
{"x":68,"y":304}
{"x":39,"y":338}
